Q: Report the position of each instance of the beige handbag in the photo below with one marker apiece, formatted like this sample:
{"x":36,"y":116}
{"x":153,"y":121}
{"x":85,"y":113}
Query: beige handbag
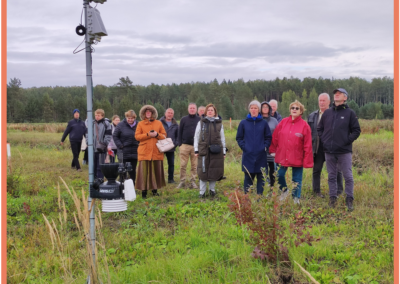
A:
{"x":83,"y":145}
{"x":165,"y":145}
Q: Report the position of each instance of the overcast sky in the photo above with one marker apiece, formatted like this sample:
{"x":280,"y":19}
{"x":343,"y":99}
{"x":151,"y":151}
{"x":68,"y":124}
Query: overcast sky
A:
{"x":178,"y":41}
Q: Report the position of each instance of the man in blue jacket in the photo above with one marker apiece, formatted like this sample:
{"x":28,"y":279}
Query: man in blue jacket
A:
{"x":254,"y":138}
{"x":76,"y":129}
{"x":338,"y":129}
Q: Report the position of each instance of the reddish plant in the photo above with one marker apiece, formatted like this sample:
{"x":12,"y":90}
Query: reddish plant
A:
{"x":241,"y":207}
{"x":27,"y":209}
{"x":268,"y":233}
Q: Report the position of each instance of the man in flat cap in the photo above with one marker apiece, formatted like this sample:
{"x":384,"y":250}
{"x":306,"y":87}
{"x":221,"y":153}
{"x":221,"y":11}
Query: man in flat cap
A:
{"x":338,"y":129}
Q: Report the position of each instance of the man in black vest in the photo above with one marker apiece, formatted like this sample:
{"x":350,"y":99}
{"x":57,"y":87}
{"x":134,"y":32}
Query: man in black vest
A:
{"x":318,"y":149}
{"x":187,"y":128}
{"x":338,"y":129}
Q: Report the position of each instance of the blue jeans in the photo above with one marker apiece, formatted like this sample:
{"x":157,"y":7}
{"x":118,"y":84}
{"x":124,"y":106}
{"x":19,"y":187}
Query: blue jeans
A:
{"x":297,"y":177}
{"x":248,"y":181}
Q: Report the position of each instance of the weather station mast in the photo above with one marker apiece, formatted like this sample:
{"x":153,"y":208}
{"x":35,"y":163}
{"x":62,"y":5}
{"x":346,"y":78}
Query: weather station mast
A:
{"x":93,"y":30}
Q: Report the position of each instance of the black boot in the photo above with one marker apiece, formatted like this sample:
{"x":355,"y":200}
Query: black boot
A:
{"x":332,"y":201}
{"x":144,"y":194}
{"x":318,"y":194}
{"x":154,"y":191}
{"x":349,"y":203}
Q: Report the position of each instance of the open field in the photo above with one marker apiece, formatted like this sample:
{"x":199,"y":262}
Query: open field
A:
{"x":177,"y":238}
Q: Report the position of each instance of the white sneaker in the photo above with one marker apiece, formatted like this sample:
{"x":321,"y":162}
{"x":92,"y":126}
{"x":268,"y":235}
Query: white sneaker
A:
{"x":296,"y":200}
{"x":284,"y":195}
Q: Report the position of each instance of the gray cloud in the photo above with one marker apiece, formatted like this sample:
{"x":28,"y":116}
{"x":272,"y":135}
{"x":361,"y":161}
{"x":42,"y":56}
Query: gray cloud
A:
{"x":164,"y":41}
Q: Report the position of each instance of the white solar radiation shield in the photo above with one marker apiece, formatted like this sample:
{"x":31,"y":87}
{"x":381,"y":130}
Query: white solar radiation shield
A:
{"x":95,"y":23}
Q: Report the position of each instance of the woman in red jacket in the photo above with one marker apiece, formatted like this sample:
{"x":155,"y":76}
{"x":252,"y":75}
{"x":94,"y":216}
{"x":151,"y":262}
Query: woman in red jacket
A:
{"x":292,"y":147}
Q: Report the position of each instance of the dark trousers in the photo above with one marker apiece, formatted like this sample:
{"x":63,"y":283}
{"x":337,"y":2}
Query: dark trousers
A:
{"x":76,"y":149}
{"x":248,"y":181}
{"x":334,"y":162}
{"x":98,"y":159}
{"x":271,"y":172}
{"x":319,"y":160}
{"x":86,"y":156}
{"x":132,"y":174}
{"x":114,"y":159}
{"x":171,"y":160}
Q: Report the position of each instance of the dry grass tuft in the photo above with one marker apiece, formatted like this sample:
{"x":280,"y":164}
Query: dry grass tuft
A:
{"x":374,"y":126}
{"x":59,"y":236}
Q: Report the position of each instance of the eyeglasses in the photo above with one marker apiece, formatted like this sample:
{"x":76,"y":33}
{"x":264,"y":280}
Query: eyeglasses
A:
{"x":295,"y":108}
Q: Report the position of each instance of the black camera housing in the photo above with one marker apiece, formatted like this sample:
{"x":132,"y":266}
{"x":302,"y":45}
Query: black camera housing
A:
{"x":111,"y":189}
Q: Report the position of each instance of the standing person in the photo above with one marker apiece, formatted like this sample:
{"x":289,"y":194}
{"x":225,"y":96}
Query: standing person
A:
{"x":187,"y":127}
{"x":76,"y":129}
{"x":254,"y":138}
{"x":266,"y":111}
{"x":124,"y":139}
{"x":292,"y":146}
{"x":101,"y":138}
{"x":151,"y":170}
{"x":338,"y":129}
{"x":86,"y":151}
{"x":201,"y":111}
{"x":209,"y":147}
{"x":275,"y":113}
{"x":111,"y":146}
{"x":318,"y":149}
{"x":171,"y":127}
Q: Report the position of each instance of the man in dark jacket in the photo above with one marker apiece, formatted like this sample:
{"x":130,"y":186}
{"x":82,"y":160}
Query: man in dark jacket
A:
{"x":76,"y":130}
{"x":187,"y":128}
{"x":338,"y":129}
{"x":318,"y":149}
{"x":275,"y":113}
{"x":171,"y":127}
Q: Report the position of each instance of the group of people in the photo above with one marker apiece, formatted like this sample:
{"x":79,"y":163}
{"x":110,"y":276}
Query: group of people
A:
{"x":269,"y":143}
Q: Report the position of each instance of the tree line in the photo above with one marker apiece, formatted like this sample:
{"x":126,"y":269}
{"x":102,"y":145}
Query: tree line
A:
{"x":370,"y":99}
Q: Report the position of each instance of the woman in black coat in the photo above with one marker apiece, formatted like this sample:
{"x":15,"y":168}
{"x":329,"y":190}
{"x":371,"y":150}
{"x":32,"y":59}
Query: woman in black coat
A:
{"x":124,"y":139}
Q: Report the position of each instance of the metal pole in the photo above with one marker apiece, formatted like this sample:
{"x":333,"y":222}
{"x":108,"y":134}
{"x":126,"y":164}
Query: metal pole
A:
{"x":89,"y":95}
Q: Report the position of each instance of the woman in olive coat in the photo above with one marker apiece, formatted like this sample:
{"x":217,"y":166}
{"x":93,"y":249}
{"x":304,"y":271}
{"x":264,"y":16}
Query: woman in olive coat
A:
{"x":209,"y":147}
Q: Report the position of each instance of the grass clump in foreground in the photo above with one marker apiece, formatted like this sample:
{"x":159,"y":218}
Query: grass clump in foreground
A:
{"x":177,"y":238}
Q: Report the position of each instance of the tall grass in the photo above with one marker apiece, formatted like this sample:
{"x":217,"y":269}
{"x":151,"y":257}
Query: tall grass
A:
{"x":39,"y":127}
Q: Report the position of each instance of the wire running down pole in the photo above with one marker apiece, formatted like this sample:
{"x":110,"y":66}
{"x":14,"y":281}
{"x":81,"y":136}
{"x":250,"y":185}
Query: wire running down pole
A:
{"x":89,"y":95}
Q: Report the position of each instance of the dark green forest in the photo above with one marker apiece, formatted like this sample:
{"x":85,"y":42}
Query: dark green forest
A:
{"x":370,"y":99}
